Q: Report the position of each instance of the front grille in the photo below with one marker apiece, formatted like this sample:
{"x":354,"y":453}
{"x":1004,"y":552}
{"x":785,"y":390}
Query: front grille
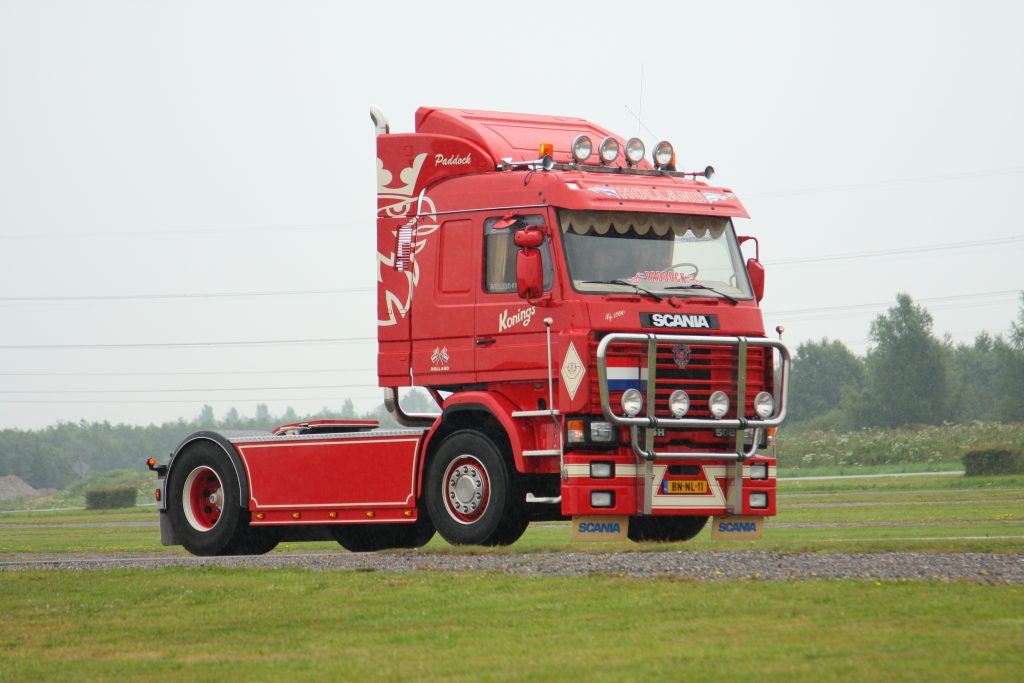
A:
{"x":709,"y":369}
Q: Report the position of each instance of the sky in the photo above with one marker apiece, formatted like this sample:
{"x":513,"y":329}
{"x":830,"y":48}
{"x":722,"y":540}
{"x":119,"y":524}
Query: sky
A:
{"x":187,"y":189}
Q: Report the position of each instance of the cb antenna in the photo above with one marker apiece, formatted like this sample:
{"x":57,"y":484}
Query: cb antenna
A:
{"x":640,"y":108}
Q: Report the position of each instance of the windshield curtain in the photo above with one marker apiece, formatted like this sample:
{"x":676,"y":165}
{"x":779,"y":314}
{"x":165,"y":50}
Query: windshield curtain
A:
{"x":659,"y":252}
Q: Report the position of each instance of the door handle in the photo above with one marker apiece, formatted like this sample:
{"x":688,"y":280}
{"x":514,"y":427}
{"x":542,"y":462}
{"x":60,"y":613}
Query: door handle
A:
{"x":487,"y":341}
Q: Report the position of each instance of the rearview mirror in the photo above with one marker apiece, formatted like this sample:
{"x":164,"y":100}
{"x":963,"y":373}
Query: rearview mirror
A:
{"x":755,"y":271}
{"x":529,"y":273}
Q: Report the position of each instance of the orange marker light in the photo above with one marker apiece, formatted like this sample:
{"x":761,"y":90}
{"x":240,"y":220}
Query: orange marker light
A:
{"x":408,"y":513}
{"x":332,"y":514}
{"x":156,"y":495}
{"x":296,"y":515}
{"x":575,"y":431}
{"x":546,"y":150}
{"x":260,"y":515}
{"x":151,"y":462}
{"x":371,"y":513}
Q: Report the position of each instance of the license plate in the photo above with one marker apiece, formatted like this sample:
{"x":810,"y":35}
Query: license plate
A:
{"x":684,"y":487}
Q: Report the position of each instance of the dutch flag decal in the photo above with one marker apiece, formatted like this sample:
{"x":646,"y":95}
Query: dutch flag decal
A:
{"x":626,"y":373}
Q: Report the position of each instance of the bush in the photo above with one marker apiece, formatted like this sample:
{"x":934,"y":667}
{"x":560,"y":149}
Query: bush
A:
{"x":110,"y":497}
{"x":804,"y":448}
{"x":993,"y":461}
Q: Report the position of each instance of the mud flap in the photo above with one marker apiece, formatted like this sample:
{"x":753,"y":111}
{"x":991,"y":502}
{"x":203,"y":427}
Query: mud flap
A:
{"x":167,"y":536}
{"x":737,"y":528}
{"x":600,"y":528}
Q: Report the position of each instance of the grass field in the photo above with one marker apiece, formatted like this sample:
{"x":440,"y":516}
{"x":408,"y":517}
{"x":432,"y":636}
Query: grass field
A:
{"x":206,"y":624}
{"x":220,"y":624}
{"x":941,"y":513}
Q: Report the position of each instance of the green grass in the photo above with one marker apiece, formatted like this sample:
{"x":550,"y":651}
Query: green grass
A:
{"x":978,"y":518}
{"x":846,"y":470}
{"x":218,"y":624}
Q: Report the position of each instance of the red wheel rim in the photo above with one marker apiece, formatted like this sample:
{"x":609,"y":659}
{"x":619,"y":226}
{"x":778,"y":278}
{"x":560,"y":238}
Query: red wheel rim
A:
{"x":467,"y":489}
{"x":202,"y":499}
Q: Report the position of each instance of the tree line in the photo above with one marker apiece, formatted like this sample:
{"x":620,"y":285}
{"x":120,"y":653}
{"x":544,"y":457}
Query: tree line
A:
{"x":58,"y":455}
{"x":909,"y":376}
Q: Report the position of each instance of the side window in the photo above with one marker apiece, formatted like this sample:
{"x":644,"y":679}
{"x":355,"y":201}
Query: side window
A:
{"x":500,"y":254}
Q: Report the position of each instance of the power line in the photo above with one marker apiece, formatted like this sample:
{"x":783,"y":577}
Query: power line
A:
{"x":181,"y":231}
{"x":893,"y":252}
{"x":352,"y":290}
{"x":179,"y":391}
{"x":895,"y":182}
{"x":870,"y":306}
{"x":199,"y":401}
{"x":196,"y":295}
{"x":181,"y":374}
{"x":166,"y":345}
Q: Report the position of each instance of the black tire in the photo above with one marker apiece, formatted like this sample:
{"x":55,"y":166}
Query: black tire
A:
{"x":511,"y":531}
{"x":253,"y":540}
{"x":203,"y":501}
{"x":368,"y":538}
{"x":665,"y":529}
{"x":472,"y":493}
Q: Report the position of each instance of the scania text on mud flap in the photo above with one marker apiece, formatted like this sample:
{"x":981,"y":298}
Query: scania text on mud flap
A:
{"x":585,"y":320}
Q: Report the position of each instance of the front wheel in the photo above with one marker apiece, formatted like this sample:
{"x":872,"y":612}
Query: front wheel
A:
{"x":665,"y":529}
{"x":473,"y":496}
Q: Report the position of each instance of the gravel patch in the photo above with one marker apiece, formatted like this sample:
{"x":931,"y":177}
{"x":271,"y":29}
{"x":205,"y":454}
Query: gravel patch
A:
{"x":697,"y":566}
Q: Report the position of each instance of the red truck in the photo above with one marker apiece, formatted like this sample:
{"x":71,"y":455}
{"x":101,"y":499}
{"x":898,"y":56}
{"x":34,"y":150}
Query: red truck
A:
{"x":586,"y":321}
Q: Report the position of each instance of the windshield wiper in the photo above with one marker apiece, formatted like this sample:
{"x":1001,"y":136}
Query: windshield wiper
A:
{"x":635,"y":286}
{"x":710,"y":289}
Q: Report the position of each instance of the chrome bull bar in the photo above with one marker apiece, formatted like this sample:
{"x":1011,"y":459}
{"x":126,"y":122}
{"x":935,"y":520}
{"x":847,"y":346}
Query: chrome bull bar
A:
{"x":650,"y":421}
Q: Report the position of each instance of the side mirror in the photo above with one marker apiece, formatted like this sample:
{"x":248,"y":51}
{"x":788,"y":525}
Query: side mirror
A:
{"x":529,"y":267}
{"x":529,"y":238}
{"x":529,"y":274}
{"x":755,"y":271}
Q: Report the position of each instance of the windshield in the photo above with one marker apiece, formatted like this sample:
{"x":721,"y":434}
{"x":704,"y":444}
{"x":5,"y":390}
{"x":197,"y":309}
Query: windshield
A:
{"x":670,"y":254}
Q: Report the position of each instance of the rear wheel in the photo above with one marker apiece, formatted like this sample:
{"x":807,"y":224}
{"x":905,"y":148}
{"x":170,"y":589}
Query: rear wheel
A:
{"x":665,"y":529}
{"x":473,"y":495}
{"x":203,"y":501}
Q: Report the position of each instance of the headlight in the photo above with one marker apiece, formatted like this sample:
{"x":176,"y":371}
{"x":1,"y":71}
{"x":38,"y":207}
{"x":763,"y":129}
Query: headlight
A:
{"x":759,"y":470}
{"x":601,"y":432}
{"x":609,"y":150}
{"x":663,"y":154}
{"x":602,"y":470}
{"x":635,"y":150}
{"x":718,"y":404}
{"x":758,"y":499}
{"x":764,"y":405}
{"x":602,"y":499}
{"x":582,"y":148}
{"x":632,"y":401}
{"x":678,"y":403}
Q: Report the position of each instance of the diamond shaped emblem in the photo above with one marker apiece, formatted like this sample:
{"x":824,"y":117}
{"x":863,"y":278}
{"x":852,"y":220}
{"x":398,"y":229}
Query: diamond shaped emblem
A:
{"x":572,"y":371}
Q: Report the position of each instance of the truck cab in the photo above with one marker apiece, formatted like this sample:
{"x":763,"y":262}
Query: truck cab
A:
{"x":587,"y":310}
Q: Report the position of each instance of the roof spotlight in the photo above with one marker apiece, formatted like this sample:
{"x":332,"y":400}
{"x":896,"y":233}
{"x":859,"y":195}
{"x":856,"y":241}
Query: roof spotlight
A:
{"x":582,"y":148}
{"x":609,"y":150}
{"x":635,"y":151}
{"x":663,"y":154}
